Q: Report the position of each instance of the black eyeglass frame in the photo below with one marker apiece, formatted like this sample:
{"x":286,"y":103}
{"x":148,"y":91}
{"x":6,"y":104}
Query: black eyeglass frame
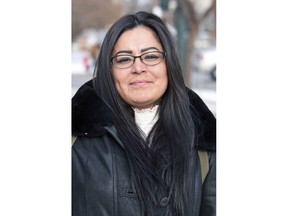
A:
{"x":139,"y":56}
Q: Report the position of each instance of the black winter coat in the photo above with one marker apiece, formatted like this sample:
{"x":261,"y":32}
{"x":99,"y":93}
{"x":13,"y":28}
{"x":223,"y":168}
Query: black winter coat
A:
{"x":100,"y":171}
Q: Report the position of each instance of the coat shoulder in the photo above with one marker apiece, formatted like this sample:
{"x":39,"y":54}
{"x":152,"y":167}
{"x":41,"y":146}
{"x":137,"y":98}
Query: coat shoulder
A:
{"x":205,"y":122}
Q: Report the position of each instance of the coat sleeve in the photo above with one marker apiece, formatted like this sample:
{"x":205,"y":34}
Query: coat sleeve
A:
{"x":78,"y":181}
{"x":208,"y":200}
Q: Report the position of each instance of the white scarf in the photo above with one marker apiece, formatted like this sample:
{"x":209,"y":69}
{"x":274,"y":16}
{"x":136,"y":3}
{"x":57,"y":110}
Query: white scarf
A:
{"x":146,"y":118}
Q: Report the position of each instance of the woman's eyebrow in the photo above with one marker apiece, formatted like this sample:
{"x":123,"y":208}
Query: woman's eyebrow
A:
{"x":130,"y":52}
{"x":148,"y":48}
{"x":124,"y":51}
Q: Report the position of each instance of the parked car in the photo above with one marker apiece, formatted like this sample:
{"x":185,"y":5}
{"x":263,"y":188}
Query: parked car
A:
{"x":206,"y":61}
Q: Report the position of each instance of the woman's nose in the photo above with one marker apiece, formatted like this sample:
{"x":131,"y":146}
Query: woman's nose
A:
{"x":138,"y":66}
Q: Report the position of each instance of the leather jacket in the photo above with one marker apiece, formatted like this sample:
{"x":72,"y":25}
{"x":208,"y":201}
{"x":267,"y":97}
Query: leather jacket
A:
{"x":101,"y":184}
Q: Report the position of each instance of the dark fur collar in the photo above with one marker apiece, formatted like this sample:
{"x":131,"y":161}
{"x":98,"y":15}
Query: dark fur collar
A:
{"x":90,"y":114}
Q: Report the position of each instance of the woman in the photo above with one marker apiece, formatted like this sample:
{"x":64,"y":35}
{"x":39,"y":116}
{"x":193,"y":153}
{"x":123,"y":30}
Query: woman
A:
{"x":138,"y":130}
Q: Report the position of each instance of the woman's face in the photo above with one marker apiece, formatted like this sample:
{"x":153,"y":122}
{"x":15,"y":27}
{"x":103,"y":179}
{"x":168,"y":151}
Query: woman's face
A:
{"x":139,"y":85}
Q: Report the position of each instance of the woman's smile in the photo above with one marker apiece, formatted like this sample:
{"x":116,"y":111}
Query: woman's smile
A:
{"x":140,"y":83}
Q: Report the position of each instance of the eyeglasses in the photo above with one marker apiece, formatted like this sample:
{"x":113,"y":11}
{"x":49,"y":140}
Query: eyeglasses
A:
{"x":126,"y":61}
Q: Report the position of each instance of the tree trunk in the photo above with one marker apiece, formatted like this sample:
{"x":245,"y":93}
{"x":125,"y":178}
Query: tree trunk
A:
{"x":193,"y":24}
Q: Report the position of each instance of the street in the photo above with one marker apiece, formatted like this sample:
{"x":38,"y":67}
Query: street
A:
{"x":78,"y":80}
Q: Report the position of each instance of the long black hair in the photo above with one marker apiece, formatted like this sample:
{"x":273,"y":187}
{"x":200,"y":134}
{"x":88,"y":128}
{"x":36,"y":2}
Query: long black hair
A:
{"x":165,"y":166}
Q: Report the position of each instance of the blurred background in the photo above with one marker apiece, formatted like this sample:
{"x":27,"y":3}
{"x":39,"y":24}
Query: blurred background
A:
{"x":191,"y":22}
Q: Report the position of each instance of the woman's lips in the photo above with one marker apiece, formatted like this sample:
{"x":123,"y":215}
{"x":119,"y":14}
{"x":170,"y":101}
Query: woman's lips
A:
{"x":140,"y":82}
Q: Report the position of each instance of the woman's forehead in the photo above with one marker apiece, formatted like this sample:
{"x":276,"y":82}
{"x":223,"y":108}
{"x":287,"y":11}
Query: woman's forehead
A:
{"x":139,"y":39}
